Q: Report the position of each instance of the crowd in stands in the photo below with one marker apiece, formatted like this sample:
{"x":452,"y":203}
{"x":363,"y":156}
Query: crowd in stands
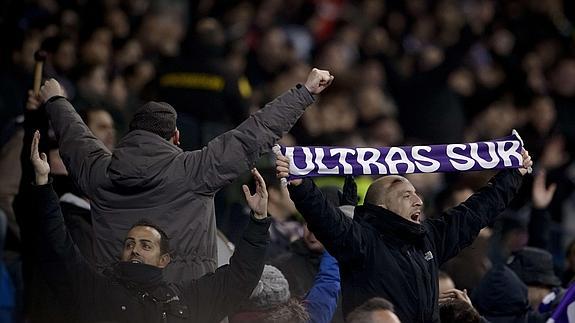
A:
{"x":156,"y":111}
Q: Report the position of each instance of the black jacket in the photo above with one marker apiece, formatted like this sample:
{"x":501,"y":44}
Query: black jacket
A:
{"x":382,"y":254}
{"x":138,"y":293}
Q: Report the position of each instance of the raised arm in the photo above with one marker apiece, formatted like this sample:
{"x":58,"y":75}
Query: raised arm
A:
{"x":321,"y":300}
{"x":221,"y":293}
{"x":337,"y":232}
{"x":64,"y":268}
{"x":234,"y":152}
{"x":459,"y":226}
{"x":81,"y":151}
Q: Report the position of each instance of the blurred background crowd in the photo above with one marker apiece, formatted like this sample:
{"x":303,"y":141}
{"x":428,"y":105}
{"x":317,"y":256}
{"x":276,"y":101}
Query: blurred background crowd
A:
{"x":406,"y":72}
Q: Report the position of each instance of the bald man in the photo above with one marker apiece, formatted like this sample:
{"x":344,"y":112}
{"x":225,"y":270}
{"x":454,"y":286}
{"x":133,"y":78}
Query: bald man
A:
{"x":388,"y":250}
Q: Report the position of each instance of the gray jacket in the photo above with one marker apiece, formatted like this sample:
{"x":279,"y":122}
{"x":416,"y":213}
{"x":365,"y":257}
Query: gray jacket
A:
{"x":149,"y":177}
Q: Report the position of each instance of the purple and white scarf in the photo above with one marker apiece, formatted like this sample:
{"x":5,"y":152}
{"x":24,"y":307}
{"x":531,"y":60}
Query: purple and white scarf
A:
{"x":333,"y":161}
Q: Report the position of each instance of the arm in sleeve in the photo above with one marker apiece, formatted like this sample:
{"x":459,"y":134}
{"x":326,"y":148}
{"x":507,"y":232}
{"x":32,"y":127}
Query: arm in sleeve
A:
{"x":65,"y":269}
{"x":81,"y":151}
{"x":221,"y":293}
{"x":458,"y":227}
{"x":338,"y":233}
{"x":321,"y":300}
{"x":229,"y":155}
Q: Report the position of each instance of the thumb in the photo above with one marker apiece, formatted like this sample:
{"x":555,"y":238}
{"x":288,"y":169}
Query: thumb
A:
{"x":552,"y":189}
{"x":44,"y":157}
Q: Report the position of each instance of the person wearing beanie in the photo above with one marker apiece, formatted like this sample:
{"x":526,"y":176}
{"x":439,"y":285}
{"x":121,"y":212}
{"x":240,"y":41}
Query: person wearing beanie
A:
{"x":271,"y":301}
{"x":148,"y":175}
{"x":534,"y":267}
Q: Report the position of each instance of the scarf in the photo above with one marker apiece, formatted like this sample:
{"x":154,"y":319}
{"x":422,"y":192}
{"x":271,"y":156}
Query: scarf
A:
{"x":332,"y":161}
{"x":390,"y":225}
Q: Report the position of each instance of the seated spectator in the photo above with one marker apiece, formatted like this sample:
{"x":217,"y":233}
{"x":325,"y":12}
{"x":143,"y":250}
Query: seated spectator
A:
{"x":501,"y":296}
{"x":271,"y":301}
{"x":534,"y":267}
{"x":134,"y":289}
{"x":375,"y":310}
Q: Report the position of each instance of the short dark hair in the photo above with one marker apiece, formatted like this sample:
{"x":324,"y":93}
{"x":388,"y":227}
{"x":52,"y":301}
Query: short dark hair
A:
{"x":458,"y":311}
{"x":164,"y":239}
{"x":363,"y":312}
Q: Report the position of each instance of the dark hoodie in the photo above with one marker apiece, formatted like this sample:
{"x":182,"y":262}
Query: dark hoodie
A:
{"x":501,"y":296}
{"x":147,"y":176}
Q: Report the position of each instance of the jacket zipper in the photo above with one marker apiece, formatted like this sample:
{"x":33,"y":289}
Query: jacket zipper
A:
{"x":164,"y":318}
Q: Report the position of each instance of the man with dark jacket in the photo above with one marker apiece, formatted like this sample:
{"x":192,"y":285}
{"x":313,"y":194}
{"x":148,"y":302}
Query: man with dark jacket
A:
{"x":386,"y":251}
{"x":147,"y":175}
{"x":133,"y":289}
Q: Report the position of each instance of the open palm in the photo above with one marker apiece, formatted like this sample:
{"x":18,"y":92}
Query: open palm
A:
{"x":259,"y":201}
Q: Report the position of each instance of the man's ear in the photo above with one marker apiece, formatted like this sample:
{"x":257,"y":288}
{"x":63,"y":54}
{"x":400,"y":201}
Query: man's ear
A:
{"x":164,"y":260}
{"x":176,"y":137}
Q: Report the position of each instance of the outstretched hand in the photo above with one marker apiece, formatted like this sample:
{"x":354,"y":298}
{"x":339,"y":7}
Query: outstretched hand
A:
{"x":50,"y":89}
{"x":318,"y":80}
{"x":39,"y":161}
{"x":282,"y":169}
{"x":259,"y":201}
{"x":541,"y":194}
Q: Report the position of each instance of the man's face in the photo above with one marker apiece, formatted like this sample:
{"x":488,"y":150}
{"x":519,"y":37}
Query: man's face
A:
{"x":402,"y":199}
{"x":142,"y":245}
{"x":102,"y":126}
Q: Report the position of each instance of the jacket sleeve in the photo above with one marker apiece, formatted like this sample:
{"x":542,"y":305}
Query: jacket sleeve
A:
{"x":458,"y":227}
{"x":65,"y":269}
{"x":338,"y":233}
{"x":81,"y":151}
{"x":321,"y":300}
{"x":219,"y":294}
{"x":229,"y":155}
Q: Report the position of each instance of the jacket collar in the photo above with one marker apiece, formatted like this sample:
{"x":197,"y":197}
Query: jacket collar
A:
{"x":390,"y":225}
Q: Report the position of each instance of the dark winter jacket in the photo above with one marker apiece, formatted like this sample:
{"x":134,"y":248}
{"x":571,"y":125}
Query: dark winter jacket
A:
{"x":128,"y":292}
{"x":381,"y":254}
{"x":146,"y":176}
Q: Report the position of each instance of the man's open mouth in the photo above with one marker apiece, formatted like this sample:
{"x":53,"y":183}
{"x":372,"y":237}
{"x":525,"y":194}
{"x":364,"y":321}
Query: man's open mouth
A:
{"x":415,"y":216}
{"x":135,"y":261}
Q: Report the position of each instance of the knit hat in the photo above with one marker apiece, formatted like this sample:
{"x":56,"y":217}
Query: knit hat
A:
{"x":534,"y":266}
{"x":155,"y":117}
{"x":272,"y":290}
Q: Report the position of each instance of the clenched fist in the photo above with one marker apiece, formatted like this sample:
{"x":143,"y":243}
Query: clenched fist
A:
{"x":50,"y":89}
{"x":318,"y":80}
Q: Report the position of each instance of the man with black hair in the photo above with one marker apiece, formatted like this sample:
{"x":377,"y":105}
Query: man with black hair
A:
{"x":148,"y":175}
{"x":134,"y":289}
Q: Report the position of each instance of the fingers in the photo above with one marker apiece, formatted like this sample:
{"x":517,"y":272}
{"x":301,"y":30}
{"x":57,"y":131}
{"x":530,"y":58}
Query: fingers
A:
{"x":259,"y":181}
{"x":247,"y":192}
{"x":34,"y":148}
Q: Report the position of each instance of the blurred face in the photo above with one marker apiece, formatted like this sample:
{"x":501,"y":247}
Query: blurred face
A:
{"x":102,"y":126}
{"x":65,"y":56}
{"x":142,"y":245}
{"x":311,"y":242}
{"x":402,"y":199}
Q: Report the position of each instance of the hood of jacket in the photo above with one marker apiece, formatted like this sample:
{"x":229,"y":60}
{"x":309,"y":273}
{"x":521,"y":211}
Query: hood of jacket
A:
{"x":391,"y":225}
{"x":139,"y":158}
{"x":501,"y":294}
